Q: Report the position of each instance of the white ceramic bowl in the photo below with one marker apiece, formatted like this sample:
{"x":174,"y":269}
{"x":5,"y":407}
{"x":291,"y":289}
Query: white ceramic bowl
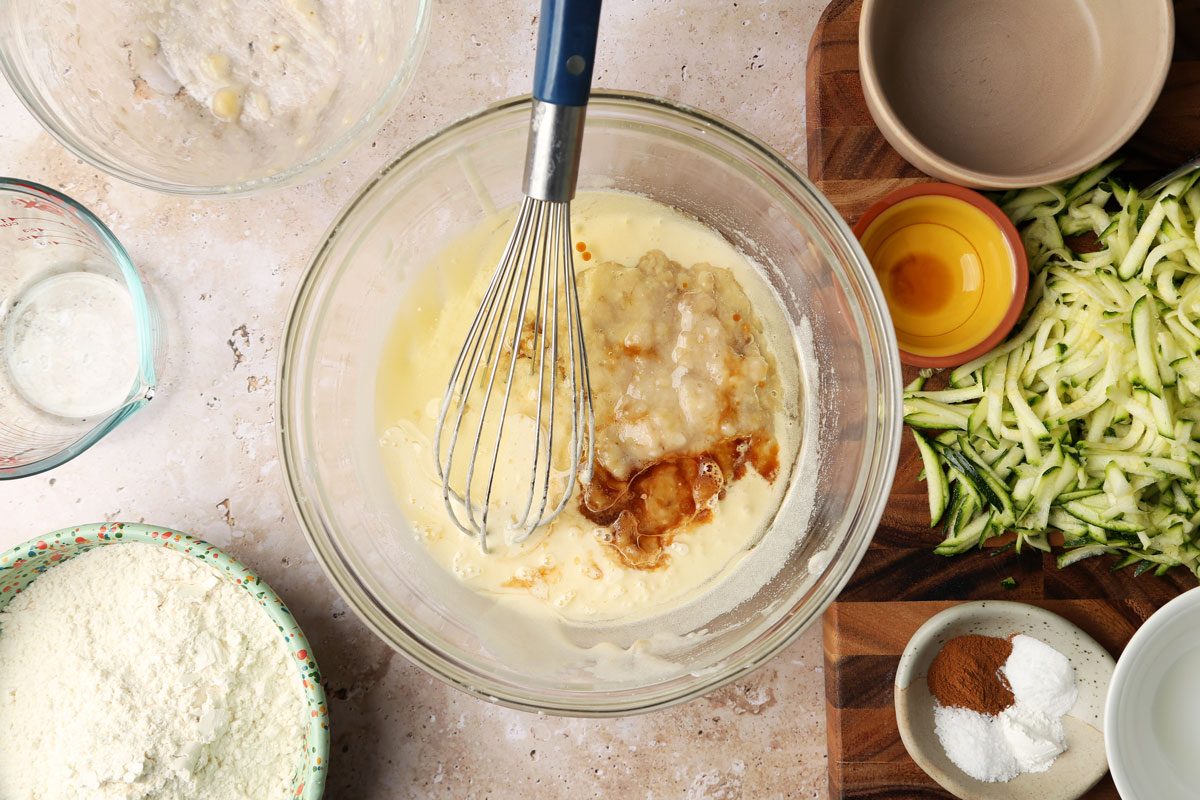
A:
{"x":1012,"y":94}
{"x":1152,"y":716}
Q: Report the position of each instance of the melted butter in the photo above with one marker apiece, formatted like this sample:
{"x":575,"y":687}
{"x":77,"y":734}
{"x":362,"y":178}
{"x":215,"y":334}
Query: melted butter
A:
{"x":591,"y":563}
{"x":922,"y":283}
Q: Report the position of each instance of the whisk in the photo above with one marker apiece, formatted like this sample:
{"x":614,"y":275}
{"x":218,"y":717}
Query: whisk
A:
{"x":529,"y":317}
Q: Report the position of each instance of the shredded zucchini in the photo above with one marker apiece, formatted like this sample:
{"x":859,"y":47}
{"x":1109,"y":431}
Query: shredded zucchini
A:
{"x":1084,"y":420}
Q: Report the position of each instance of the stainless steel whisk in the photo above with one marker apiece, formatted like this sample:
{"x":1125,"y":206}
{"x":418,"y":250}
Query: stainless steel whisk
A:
{"x":531,"y":308}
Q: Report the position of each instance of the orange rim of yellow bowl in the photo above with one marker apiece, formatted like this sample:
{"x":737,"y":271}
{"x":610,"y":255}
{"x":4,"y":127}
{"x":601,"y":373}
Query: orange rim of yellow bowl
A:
{"x":1016,"y":249}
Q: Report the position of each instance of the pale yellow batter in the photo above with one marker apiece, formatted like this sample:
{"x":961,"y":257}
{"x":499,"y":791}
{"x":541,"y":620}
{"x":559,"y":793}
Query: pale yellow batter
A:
{"x":727,"y":330}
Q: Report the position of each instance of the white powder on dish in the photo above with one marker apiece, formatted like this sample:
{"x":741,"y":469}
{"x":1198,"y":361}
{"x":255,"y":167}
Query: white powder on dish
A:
{"x":975,"y":743}
{"x":1040,"y":676}
{"x":1034,"y":738}
{"x":132,"y":672}
{"x":1028,"y":735}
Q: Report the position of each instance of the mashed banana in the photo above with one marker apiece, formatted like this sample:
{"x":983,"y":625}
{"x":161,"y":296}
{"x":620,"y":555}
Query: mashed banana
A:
{"x":677,"y":360}
{"x":685,"y":399}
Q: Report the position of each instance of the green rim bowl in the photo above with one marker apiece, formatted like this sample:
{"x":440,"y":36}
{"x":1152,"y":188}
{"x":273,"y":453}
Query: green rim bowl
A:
{"x":21,"y":566}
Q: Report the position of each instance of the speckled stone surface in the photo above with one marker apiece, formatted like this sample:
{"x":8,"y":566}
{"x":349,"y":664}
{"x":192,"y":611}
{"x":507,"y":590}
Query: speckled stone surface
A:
{"x":202,"y":457}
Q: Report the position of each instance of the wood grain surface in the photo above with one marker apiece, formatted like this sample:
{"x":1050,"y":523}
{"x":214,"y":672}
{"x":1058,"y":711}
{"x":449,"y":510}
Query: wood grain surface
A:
{"x":900,"y":582}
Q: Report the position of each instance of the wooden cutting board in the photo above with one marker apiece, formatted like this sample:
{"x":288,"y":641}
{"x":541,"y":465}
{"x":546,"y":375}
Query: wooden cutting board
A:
{"x":900,"y":583}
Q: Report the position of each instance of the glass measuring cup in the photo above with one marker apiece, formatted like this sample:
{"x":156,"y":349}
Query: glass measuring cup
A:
{"x":78,"y":339}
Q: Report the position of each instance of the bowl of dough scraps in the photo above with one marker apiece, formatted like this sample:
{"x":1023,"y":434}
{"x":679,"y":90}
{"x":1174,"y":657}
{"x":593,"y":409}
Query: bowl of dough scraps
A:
{"x":744,"y":374}
{"x":140,"y":662}
{"x":206,"y":98}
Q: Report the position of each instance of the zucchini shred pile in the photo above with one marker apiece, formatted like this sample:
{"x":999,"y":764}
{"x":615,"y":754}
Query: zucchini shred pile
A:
{"x":1087,"y":419}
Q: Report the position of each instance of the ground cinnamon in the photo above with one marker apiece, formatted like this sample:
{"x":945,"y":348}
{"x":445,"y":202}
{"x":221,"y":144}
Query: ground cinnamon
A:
{"x":966,"y":674}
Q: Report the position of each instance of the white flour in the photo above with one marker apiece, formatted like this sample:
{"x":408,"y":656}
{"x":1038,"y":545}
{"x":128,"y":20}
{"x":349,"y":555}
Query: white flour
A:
{"x":136,"y":672}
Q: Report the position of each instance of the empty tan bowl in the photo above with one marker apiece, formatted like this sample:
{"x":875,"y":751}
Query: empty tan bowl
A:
{"x":1016,"y":93}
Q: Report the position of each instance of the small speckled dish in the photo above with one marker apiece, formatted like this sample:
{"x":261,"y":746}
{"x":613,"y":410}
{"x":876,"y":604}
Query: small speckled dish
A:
{"x":21,"y":565}
{"x":1076,"y":770}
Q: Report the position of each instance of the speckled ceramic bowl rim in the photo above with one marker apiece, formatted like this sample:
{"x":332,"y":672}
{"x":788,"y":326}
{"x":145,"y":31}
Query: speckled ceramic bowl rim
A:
{"x":21,"y":565}
{"x":1016,"y":249}
{"x":927,"y":635}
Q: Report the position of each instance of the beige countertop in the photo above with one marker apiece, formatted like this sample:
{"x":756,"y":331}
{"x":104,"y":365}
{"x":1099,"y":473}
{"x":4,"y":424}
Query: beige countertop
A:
{"x":202,"y":457}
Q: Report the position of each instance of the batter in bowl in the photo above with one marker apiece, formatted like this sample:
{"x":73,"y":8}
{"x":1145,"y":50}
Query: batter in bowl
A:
{"x":210,"y":92}
{"x":264,"y":60}
{"x":695,"y":382}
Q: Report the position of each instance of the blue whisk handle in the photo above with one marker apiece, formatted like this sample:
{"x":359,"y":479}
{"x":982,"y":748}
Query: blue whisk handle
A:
{"x":566,"y":51}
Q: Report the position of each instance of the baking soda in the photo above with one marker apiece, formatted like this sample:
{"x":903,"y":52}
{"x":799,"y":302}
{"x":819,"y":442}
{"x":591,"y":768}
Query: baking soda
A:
{"x":1040,"y":676}
{"x":1025,"y":737}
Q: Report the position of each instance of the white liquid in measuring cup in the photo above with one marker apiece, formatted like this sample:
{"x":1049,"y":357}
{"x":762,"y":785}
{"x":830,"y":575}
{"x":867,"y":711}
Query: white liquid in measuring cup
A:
{"x":71,"y":345}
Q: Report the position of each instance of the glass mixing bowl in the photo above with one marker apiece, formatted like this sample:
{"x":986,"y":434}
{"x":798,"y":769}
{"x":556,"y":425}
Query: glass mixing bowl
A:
{"x":348,"y":299}
{"x":134,"y":91}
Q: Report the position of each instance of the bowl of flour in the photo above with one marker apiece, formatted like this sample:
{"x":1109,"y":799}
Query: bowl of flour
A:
{"x":203,"y":97}
{"x":140,"y":662}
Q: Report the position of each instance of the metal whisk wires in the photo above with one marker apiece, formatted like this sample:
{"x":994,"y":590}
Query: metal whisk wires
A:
{"x":529,"y":319}
{"x":527,"y":338}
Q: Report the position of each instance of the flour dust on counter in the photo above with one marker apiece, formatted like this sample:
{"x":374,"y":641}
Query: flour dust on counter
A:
{"x":132,"y":672}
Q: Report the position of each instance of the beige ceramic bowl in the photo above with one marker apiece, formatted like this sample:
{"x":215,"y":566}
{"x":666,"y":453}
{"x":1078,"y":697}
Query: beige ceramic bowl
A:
{"x":1012,"y":94}
{"x":1076,"y":770}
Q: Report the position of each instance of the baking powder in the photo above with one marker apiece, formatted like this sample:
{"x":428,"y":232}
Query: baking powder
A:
{"x":1040,"y":676}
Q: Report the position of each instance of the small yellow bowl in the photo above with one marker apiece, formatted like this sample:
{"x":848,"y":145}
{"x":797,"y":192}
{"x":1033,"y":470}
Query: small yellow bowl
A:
{"x":952,"y":269}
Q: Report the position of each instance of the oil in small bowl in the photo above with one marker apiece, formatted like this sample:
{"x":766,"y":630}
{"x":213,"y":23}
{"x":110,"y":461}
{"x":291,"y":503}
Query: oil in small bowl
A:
{"x":952,"y":270}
